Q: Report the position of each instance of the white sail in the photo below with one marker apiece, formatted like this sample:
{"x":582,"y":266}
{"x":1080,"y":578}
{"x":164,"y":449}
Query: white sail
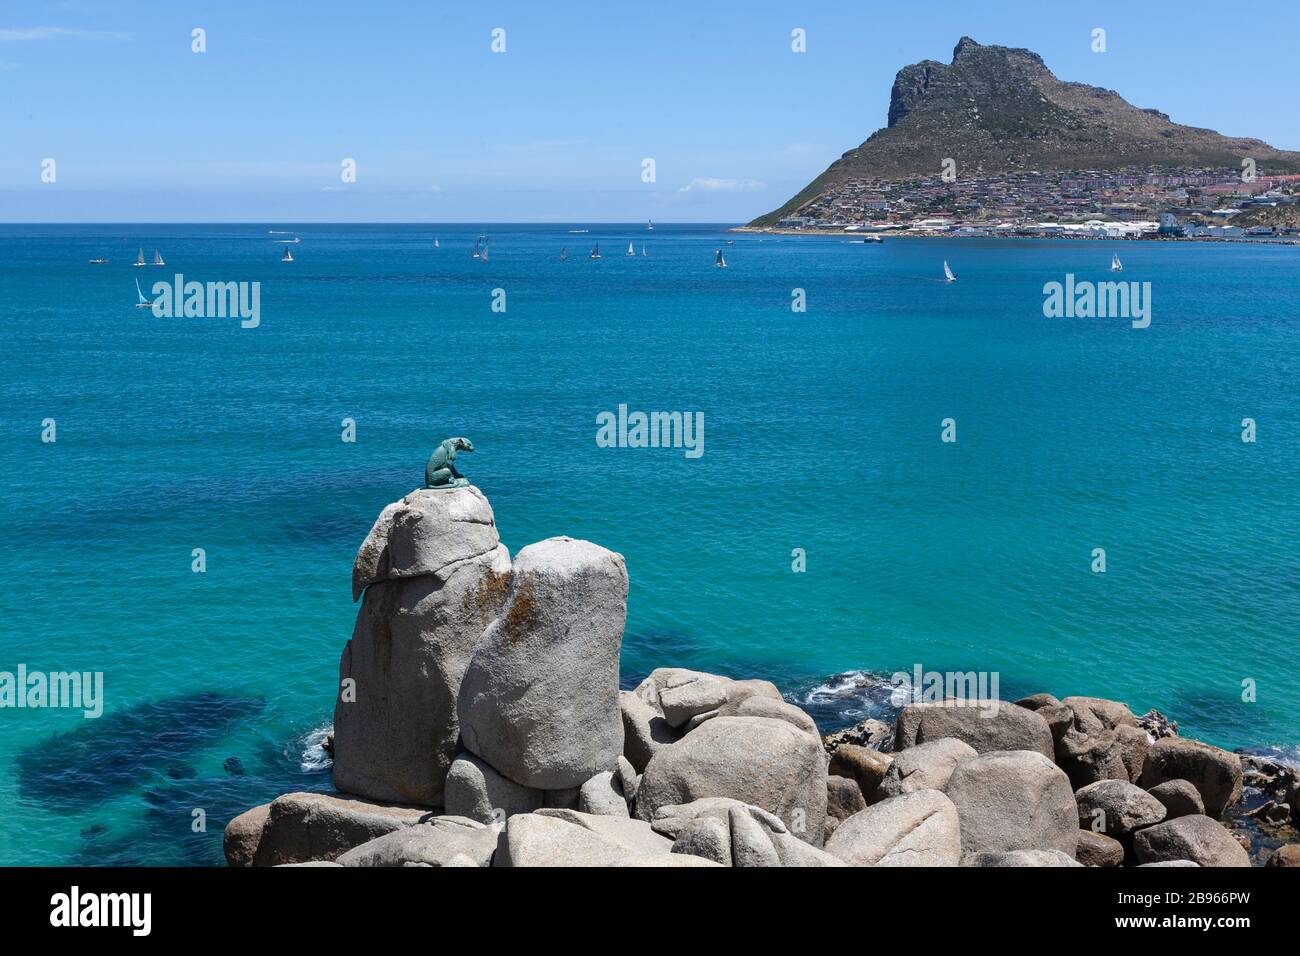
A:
{"x":650,"y":225}
{"x":435,"y":243}
{"x":564,"y":254}
{"x":721,"y":261}
{"x":139,"y":258}
{"x":1115,"y":264}
{"x":158,"y":259}
{"x":630,"y":250}
{"x":595,"y":251}
{"x":484,"y":254}
{"x":141,"y":302}
{"x":287,"y":257}
{"x":643,"y":248}
{"x":947,"y":272}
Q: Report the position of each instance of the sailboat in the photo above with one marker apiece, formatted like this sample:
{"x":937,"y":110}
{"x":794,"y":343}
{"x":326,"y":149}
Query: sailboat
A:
{"x":564,"y":254}
{"x":288,"y":256}
{"x":435,"y":243}
{"x":99,"y":262}
{"x":630,"y":250}
{"x":650,"y":225}
{"x":595,"y":251}
{"x":720,"y":262}
{"x":484,"y":255}
{"x":143,"y":303}
{"x":158,"y":259}
{"x":139,"y":259}
{"x":478,"y":247}
{"x":948,"y":273}
{"x":1115,"y":264}
{"x":643,"y":248}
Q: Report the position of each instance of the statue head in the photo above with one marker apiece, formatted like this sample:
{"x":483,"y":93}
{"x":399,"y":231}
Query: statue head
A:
{"x":460,"y":444}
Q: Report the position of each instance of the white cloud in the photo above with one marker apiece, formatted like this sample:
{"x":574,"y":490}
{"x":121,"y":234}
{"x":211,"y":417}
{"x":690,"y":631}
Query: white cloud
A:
{"x":714,"y":184}
{"x":29,"y":34}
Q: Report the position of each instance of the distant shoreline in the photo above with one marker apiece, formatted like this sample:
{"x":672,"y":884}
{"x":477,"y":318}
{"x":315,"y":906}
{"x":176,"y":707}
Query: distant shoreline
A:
{"x":1262,"y":240}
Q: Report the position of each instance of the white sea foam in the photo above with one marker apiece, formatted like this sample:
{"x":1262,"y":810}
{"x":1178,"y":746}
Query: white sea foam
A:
{"x":309,"y":749}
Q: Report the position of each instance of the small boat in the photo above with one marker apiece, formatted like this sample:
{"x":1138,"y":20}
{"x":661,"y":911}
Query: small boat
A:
{"x":158,"y":259}
{"x":484,"y":254}
{"x":1115,"y":264}
{"x":139,"y":259}
{"x":948,"y":273}
{"x":479,"y":244}
{"x":872,"y":239}
{"x":630,"y":250}
{"x":143,"y":303}
{"x":288,"y":256}
{"x":435,"y":243}
{"x":578,"y":231}
{"x":99,"y":262}
{"x":595,"y":251}
{"x":564,"y":254}
{"x":720,"y":262}
{"x":643,"y":248}
{"x":294,"y":241}
{"x":649,"y":225}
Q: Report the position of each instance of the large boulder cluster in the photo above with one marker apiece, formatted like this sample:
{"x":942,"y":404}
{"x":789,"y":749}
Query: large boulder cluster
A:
{"x":480,"y":722}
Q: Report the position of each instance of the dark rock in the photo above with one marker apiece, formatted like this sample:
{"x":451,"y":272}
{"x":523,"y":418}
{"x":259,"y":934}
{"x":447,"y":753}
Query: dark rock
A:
{"x":872,"y":733}
{"x":1215,"y":773}
{"x":1197,"y":838}
{"x":1180,"y":798}
{"x":862,"y":764}
{"x":1097,"y":849}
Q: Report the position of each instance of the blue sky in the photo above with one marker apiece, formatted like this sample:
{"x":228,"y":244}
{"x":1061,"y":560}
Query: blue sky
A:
{"x":555,"y":128}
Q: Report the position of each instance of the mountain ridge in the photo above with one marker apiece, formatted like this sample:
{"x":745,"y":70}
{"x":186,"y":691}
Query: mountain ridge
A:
{"x":997,"y":109}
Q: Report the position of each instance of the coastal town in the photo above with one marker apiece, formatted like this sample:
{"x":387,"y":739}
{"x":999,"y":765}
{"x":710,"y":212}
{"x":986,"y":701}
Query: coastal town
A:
{"x":1129,"y":203}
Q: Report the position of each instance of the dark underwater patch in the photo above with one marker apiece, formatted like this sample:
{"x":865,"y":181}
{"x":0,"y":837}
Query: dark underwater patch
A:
{"x":128,"y":749}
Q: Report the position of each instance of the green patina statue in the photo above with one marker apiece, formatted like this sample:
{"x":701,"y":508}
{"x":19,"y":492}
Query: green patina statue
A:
{"x":441,"y":471}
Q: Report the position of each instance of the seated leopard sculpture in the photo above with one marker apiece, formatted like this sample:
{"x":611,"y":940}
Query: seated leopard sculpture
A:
{"x":440,"y":472}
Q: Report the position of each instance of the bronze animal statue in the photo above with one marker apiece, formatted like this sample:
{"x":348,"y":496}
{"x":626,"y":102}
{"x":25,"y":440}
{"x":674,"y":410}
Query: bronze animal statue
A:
{"x":440,"y":472}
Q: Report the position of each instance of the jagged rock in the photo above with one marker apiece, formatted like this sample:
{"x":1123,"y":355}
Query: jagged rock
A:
{"x":1021,"y":858}
{"x":872,"y":733}
{"x":644,"y":729}
{"x":443,"y":841}
{"x":916,"y":829}
{"x":685,"y":698}
{"x":995,"y":726}
{"x":305,"y":827}
{"x":863,"y":765}
{"x":1271,"y":813}
{"x":539,"y":699}
{"x":1089,"y":758}
{"x":1215,"y":773}
{"x":1158,"y":725}
{"x":926,"y":766}
{"x":672,"y":820}
{"x":1092,"y":714}
{"x":733,"y":834}
{"x":475,"y":790}
{"x":1117,"y":807}
{"x":758,"y":706}
{"x":1097,"y":849}
{"x":242,"y":835}
{"x":1179,"y":797}
{"x":1134,"y":744}
{"x":1059,"y":717}
{"x":1014,"y":800}
{"x":758,"y":760}
{"x":433,"y":572}
{"x":603,"y":794}
{"x":1197,"y":838}
{"x":1288,"y":855}
{"x":843,"y":799}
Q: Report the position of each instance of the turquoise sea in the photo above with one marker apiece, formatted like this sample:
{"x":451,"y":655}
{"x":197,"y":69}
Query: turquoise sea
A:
{"x":822,"y":432}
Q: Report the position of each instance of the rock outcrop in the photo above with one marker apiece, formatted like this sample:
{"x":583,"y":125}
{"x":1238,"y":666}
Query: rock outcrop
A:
{"x":1215,"y":773}
{"x":1014,"y":800}
{"x":433,"y":574}
{"x":539,"y":699}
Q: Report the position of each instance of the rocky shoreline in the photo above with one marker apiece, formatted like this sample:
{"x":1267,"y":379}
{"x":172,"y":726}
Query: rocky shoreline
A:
{"x":479,"y":722}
